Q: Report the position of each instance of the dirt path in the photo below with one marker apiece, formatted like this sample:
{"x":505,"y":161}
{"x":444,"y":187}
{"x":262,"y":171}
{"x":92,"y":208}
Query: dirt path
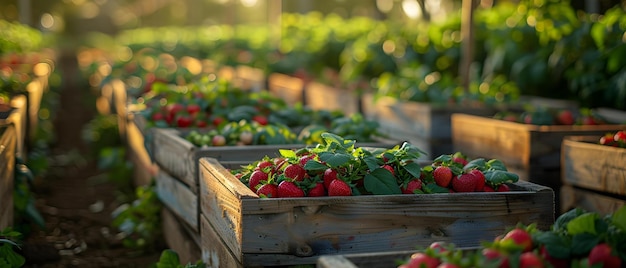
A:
{"x":75,"y":202}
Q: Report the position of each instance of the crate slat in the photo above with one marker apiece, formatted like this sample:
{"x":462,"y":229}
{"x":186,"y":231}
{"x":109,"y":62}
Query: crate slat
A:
{"x":590,"y":165}
{"x":178,"y":238}
{"x":179,"y":198}
{"x":305,"y":228}
{"x":574,"y":197}
{"x":8,"y":145}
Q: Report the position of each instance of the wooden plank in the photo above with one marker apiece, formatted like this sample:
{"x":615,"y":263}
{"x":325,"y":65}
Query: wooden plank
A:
{"x":384,"y":259}
{"x":319,"y":96}
{"x":288,"y":88}
{"x":144,"y":170}
{"x":19,"y":118}
{"x":587,"y":164}
{"x":214,"y":252}
{"x":299,"y":230}
{"x":179,"y":198}
{"x":8,"y":145}
{"x":574,"y":197}
{"x":178,"y":239}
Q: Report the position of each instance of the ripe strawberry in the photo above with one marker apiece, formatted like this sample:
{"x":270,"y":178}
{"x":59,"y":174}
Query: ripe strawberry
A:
{"x":494,"y":256}
{"x":289,"y":189}
{"x":464,"y":183}
{"x":602,"y":254}
{"x":193,"y":108}
{"x":442,"y":176}
{"x":317,"y":190}
{"x":295,"y":171}
{"x":329,"y":176}
{"x":488,"y":188}
{"x":184,"y":120}
{"x":503,"y":188}
{"x":256,"y":178}
{"x":565,"y":117}
{"x":217,"y":120}
{"x":269,"y":190}
{"x":423,"y":260}
{"x":447,"y":265}
{"x":339,"y":188}
{"x":158,"y":116}
{"x":608,"y":139}
{"x":620,"y":136}
{"x":306,"y":158}
{"x":519,"y":238}
{"x":438,"y":246}
{"x":530,"y":260}
{"x":411,"y":186}
{"x":480,"y":180}
{"x":262,"y":120}
{"x":390,"y":169}
{"x":262,"y":165}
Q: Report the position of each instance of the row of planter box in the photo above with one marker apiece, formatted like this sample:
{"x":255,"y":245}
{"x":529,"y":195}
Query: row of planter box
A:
{"x":232,"y":226}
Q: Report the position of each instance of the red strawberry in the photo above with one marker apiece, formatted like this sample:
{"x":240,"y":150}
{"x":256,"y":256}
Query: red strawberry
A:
{"x":193,"y":108}
{"x":262,"y":120}
{"x":503,"y":188}
{"x":438,"y":246}
{"x":423,"y":260}
{"x":411,"y":186}
{"x":459,"y":158}
{"x":317,"y":190}
{"x":158,"y":116}
{"x":608,"y":139}
{"x":306,"y":158}
{"x":530,"y":260}
{"x":488,"y":188}
{"x":442,"y":176}
{"x":329,"y":176}
{"x":262,"y":165}
{"x":218,"y":120}
{"x":184,"y":120}
{"x":269,"y":190}
{"x":464,"y":183}
{"x":480,"y":180}
{"x":256,"y":178}
{"x":520,"y":238}
{"x":390,"y":168}
{"x":295,"y":171}
{"x":493,"y":255}
{"x":620,"y":136}
{"x":289,"y":189}
{"x":602,"y":254}
{"x":339,"y":188}
{"x":565,"y":117}
{"x":447,"y":265}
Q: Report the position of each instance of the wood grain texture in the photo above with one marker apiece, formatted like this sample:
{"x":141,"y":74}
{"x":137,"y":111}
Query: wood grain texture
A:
{"x":179,"y":239}
{"x":288,"y":88}
{"x":369,"y":260}
{"x":8,"y":145}
{"x":179,"y":198}
{"x":590,"y":165}
{"x":306,"y":228}
{"x":573,"y":197}
{"x":214,"y":252}
{"x":322,"y":97}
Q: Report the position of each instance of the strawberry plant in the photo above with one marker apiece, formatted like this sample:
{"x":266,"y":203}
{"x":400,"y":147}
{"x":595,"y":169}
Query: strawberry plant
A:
{"x":9,"y":256}
{"x":552,"y":116}
{"x":577,"y":238}
{"x":169,"y":259}
{"x":342,"y":168}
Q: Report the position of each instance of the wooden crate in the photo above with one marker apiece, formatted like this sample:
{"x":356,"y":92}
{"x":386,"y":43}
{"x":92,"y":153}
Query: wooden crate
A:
{"x":322,"y":97}
{"x":425,"y":125}
{"x":249,"y":78}
{"x":144,"y":169}
{"x":240,"y":229}
{"x":593,"y":201}
{"x":178,"y":239}
{"x":19,"y":119}
{"x":369,"y":260}
{"x":8,"y":145}
{"x":593,"y":166}
{"x":288,"y":88}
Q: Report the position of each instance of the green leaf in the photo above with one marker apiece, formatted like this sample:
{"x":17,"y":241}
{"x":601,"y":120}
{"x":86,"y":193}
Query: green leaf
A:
{"x":497,"y":177}
{"x":496,"y":165}
{"x":371,"y":162}
{"x":315,"y":166}
{"x":334,"y":159}
{"x":13,"y":259}
{"x":478,"y":163}
{"x":583,"y":243}
{"x":414,"y":169}
{"x":433,"y":188}
{"x":557,"y":246}
{"x":381,"y":182}
{"x":562,"y":221}
{"x":445,"y":158}
{"x":619,"y":218}
{"x":585,"y":223}
{"x":287,"y":153}
{"x":168,"y":259}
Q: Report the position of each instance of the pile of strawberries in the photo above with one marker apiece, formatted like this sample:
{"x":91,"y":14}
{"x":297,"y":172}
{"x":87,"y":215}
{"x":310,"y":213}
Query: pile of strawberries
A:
{"x":577,"y":239}
{"x":617,"y":139}
{"x":339,"y":168}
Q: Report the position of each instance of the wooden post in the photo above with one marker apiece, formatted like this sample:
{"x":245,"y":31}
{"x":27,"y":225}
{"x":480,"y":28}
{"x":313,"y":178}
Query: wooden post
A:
{"x":24,"y":8}
{"x":467,"y":45}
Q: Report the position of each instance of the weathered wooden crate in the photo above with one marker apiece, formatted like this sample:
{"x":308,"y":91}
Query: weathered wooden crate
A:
{"x":369,"y":260}
{"x":319,"y":96}
{"x":178,"y":239}
{"x":576,"y":197}
{"x":239,"y":229}
{"x":288,"y":88}
{"x":586,"y":163}
{"x":425,"y":125}
{"x":8,"y":145}
{"x":144,"y":169}
{"x":19,"y":119}
{"x":531,"y":151}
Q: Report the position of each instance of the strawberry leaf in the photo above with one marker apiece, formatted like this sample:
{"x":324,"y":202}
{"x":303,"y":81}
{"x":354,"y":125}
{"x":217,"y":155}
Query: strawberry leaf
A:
{"x":619,"y":218}
{"x":583,"y":243}
{"x":287,"y":153}
{"x":497,"y":177}
{"x":371,"y":162}
{"x":381,"y":182}
{"x":496,"y":165}
{"x":561,"y":222}
{"x":478,"y":163}
{"x":556,"y":245}
{"x":414,"y":169}
{"x":445,"y":158}
{"x":334,"y":159}
{"x":585,"y":223}
{"x":315,"y":166}
{"x":433,"y":188}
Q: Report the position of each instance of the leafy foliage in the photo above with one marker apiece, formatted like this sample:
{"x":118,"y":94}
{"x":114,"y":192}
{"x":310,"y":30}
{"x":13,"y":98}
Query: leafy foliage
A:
{"x":169,"y":259}
{"x":8,"y":256}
